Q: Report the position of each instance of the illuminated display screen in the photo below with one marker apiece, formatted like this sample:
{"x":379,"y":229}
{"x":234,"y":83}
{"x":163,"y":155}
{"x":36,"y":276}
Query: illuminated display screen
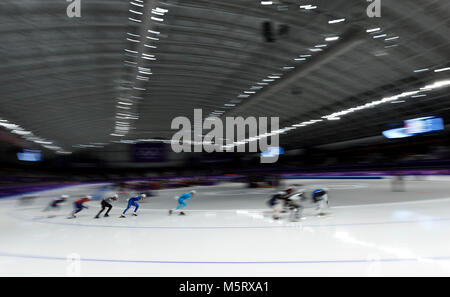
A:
{"x":273,"y":151}
{"x":415,"y":127}
{"x":30,"y":156}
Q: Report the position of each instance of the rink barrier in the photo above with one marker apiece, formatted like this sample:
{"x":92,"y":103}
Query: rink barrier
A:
{"x":30,"y":190}
{"x":333,"y":177}
{"x":34,"y":189}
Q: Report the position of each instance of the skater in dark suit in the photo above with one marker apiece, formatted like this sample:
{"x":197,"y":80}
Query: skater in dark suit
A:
{"x":106,"y":204}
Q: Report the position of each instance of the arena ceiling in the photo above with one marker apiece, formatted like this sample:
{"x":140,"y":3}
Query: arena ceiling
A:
{"x":124,"y":69}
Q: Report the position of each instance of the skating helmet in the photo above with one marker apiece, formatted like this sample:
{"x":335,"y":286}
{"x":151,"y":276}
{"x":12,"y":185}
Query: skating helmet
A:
{"x":193,"y":192}
{"x":116,"y":196}
{"x":89,"y":197}
{"x":290,"y":190}
{"x":64,"y":196}
{"x":143,"y":195}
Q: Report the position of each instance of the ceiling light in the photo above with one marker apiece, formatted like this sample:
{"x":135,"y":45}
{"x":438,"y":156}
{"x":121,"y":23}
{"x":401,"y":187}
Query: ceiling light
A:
{"x":161,"y":10}
{"x":336,"y":21}
{"x":133,"y":40}
{"x":135,"y":20}
{"x":421,"y":70}
{"x":333,"y":38}
{"x":442,"y":69}
{"x":308,"y":7}
{"x":157,"y":12}
{"x":373,"y":30}
{"x":137,"y":4}
{"x":136,"y":12}
{"x":392,"y":38}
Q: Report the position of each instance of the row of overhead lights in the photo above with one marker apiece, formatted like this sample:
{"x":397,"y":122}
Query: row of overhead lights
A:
{"x":305,"y":7}
{"x":284,"y":7}
{"x":330,"y":117}
{"x":377,"y":33}
{"x":126,"y":104}
{"x":271,"y":78}
{"x":267,"y":80}
{"x":435,"y":70}
{"x":258,"y":86}
{"x":28,"y":135}
{"x":339,"y":114}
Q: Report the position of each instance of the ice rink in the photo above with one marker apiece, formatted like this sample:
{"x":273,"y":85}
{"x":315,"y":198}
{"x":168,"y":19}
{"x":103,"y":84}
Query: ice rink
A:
{"x":228,"y":231}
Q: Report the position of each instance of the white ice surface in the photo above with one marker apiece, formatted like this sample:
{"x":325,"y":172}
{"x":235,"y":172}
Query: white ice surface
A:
{"x":228,"y":232}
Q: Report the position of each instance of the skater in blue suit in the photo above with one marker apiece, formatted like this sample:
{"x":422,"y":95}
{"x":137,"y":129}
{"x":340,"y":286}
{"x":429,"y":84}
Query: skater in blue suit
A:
{"x":133,"y":202}
{"x":320,"y":198}
{"x":182,"y":202}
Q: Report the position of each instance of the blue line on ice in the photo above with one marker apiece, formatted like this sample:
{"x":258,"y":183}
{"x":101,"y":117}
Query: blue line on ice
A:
{"x":296,"y":225}
{"x":440,"y":258}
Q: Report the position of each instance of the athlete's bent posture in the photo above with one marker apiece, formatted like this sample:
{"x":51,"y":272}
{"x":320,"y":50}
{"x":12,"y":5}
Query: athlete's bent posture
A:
{"x":55,"y":204}
{"x":279,"y":202}
{"x":320,"y":197}
{"x":105,"y":204}
{"x":133,"y":202}
{"x":79,"y":206}
{"x":276,"y":202}
{"x":293,"y":203}
{"x":182,"y":202}
{"x":287,"y":201}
